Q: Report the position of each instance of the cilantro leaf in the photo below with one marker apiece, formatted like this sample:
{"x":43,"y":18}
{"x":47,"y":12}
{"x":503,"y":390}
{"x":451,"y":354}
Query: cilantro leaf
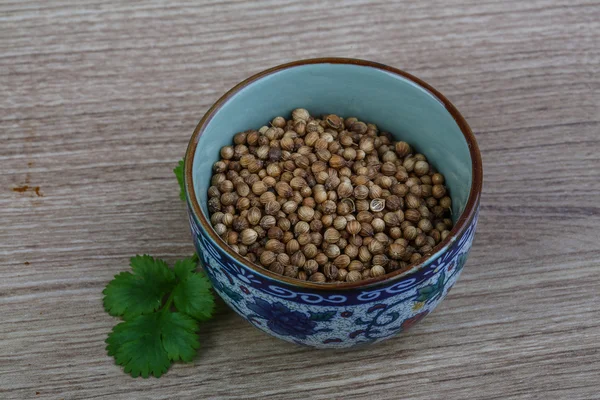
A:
{"x":136,"y":345}
{"x":186,"y":266}
{"x":179,"y":336}
{"x":141,"y":292}
{"x":145,"y":345}
{"x":153,"y":334}
{"x":179,"y":174}
{"x":193,"y":297}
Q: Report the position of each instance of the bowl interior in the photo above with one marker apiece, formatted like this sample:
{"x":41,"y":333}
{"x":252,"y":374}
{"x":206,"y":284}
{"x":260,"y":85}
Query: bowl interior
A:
{"x":394,"y":103}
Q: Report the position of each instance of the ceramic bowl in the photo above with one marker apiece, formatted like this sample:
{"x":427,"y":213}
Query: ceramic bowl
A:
{"x":346,"y":314}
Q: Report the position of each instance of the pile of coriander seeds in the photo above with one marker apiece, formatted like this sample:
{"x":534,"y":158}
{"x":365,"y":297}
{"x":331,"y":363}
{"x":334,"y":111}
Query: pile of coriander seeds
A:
{"x":327,"y":199}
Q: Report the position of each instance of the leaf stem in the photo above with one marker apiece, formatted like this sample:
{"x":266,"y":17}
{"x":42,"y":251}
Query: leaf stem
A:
{"x":168,"y":303}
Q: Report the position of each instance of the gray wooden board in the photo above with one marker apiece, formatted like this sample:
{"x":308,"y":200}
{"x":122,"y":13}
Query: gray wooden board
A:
{"x":99,"y":98}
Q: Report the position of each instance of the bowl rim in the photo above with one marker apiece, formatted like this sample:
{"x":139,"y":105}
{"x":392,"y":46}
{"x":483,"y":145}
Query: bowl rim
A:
{"x":459,"y":228}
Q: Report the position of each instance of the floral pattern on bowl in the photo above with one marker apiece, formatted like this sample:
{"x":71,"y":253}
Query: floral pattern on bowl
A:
{"x":330,"y":318}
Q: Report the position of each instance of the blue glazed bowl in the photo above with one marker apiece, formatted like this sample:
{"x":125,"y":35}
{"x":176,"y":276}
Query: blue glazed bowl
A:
{"x":345,"y":314}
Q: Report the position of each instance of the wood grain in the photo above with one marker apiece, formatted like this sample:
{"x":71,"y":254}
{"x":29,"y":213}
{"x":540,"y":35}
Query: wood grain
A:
{"x":99,"y":98}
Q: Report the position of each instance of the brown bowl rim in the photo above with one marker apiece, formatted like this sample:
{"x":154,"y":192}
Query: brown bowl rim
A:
{"x":458,"y":229}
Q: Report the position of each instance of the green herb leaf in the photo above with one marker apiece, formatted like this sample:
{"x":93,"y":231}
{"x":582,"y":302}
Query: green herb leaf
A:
{"x":179,"y":336}
{"x":185,"y":267}
{"x":154,"y":334}
{"x":142,"y":292}
{"x":146,"y":344}
{"x":193,"y":297}
{"x":179,"y":174}
{"x":136,"y":345}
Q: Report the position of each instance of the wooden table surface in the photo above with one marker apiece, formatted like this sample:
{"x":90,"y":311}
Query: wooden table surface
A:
{"x":99,"y":98}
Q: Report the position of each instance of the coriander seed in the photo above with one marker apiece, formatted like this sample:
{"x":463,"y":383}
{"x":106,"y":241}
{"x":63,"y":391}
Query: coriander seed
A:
{"x":437,"y":179}
{"x":300,"y":114}
{"x":353,"y":276}
{"x":331,"y":235}
{"x":421,"y":168}
{"x":310,"y":267}
{"x":277,"y":268}
{"x":353,"y":227}
{"x":332,"y":251}
{"x":445,"y":202}
{"x":410,"y":232}
{"x":438,"y":191}
{"x":330,"y":271}
{"x":377,"y":271}
{"x":306,"y":213}
{"x":380,"y":259}
{"x":378,"y":225}
{"x":292,"y":246}
{"x":342,"y":273}
{"x":377,"y":205}
{"x":248,"y":236}
{"x":402,"y":149}
{"x":327,"y":199}
{"x":291,"y":271}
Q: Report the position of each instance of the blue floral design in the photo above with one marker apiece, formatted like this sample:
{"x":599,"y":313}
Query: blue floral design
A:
{"x":329,"y":318}
{"x":283,"y":321}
